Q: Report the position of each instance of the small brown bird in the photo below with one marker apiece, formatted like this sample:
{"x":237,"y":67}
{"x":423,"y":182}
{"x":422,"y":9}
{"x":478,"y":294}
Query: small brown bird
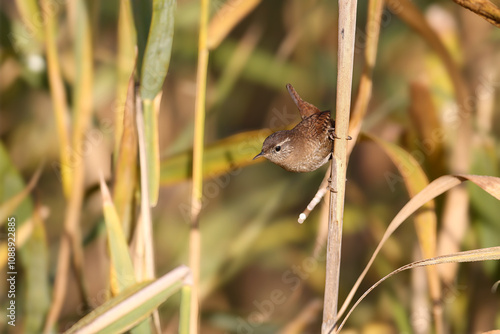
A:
{"x":308,"y":145}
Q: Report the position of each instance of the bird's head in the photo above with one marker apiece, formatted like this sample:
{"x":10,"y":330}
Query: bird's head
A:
{"x":277,"y":148}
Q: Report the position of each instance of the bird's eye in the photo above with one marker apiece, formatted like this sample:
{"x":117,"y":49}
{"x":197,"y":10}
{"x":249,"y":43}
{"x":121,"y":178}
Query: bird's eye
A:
{"x":277,"y":148}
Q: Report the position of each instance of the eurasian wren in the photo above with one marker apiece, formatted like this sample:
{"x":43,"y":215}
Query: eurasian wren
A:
{"x":308,"y":145}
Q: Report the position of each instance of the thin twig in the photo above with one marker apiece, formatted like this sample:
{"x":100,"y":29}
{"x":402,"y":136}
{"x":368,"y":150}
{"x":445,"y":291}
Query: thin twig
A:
{"x":72,"y":217}
{"x":197,"y":184}
{"x":323,"y":187}
{"x":347,"y":31}
{"x":483,"y":8}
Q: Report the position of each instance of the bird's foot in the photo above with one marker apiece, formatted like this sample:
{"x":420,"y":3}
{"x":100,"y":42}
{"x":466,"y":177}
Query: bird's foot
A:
{"x":330,"y":187}
{"x":332,"y":135}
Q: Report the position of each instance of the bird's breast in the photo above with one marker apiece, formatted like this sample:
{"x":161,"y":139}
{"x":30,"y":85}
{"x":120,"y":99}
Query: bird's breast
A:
{"x":312,"y":155}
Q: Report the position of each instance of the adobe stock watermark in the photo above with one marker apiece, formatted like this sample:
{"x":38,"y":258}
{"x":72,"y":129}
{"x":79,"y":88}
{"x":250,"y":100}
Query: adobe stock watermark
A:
{"x":213,"y":187}
{"x":93,"y":138}
{"x":291,"y":279}
{"x":102,"y":296}
{"x":373,"y":26}
{"x":422,"y":317}
{"x":23,"y":38}
{"x":453,"y":117}
{"x":11,"y":271}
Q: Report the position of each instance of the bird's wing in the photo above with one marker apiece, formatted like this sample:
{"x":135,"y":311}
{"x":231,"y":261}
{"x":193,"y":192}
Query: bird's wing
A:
{"x":306,"y":109}
{"x":323,"y":118}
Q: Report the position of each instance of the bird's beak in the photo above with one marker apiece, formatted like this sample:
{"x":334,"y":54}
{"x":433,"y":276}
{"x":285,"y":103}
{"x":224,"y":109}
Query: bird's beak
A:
{"x":258,"y":155}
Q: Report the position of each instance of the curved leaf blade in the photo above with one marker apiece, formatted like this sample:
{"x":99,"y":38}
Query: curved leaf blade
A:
{"x":221,"y":157}
{"x":158,"y":48}
{"x":437,"y":187}
{"x":122,"y":270}
{"x":132,"y":305}
{"x":425,"y":221}
{"x":126,"y":166}
{"x":484,"y":254}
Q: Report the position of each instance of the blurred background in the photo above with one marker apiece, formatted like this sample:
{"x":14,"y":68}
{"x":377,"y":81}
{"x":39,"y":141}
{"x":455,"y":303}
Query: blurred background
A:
{"x":261,"y":271}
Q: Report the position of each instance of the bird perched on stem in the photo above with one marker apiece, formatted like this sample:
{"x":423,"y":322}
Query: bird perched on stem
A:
{"x":306,"y":147}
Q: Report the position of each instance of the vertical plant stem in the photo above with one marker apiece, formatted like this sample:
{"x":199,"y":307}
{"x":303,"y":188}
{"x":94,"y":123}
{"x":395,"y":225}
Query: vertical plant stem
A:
{"x":372,"y":29}
{"x":197,"y":185}
{"x":146,"y":225}
{"x":184,"y":317}
{"x":124,"y":67}
{"x":57,"y":93}
{"x":152,"y":148}
{"x":82,"y":111}
{"x":346,"y":34}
